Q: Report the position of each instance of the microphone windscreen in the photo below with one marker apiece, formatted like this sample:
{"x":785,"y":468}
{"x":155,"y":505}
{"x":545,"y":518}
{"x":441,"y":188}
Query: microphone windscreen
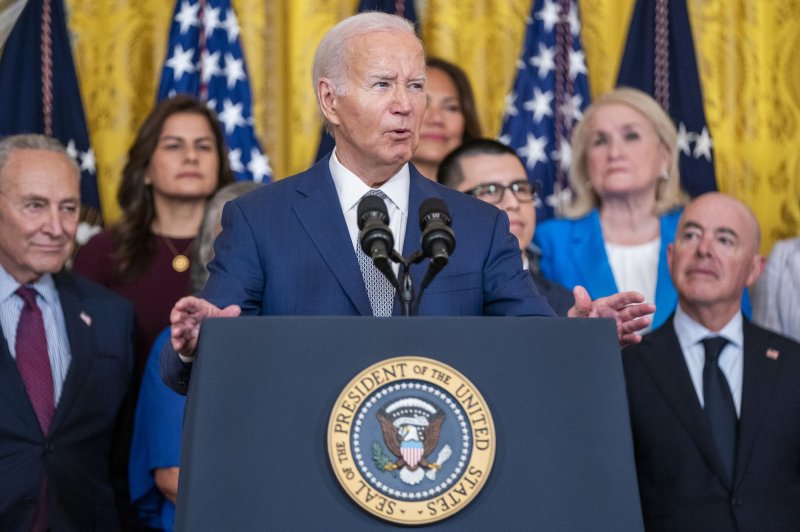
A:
{"x":370,"y":207}
{"x":431,"y":209}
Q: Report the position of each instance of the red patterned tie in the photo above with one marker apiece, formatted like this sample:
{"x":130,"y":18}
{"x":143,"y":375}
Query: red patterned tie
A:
{"x":32,"y":359}
{"x":33,"y":363}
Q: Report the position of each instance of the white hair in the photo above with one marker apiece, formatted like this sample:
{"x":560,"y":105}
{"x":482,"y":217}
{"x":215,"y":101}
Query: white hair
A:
{"x":331,"y":57}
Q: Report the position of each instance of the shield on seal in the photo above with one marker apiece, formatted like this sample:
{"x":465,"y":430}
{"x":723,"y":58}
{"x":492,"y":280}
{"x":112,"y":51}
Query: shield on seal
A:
{"x":412,"y":452}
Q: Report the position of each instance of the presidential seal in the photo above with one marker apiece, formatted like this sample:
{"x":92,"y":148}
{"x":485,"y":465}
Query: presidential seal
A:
{"x":411,"y":440}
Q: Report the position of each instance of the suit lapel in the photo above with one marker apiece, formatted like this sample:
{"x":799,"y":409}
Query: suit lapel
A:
{"x":666,"y":295}
{"x":319,"y":212}
{"x":664,"y":360}
{"x":79,"y":334}
{"x":589,"y":254}
{"x":13,"y":389}
{"x":758,"y":384}
{"x":420,"y":188}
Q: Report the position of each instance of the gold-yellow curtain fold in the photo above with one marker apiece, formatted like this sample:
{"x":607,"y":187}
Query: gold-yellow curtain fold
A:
{"x":119,"y":48}
{"x":485,"y":38}
{"x":748,"y":53}
{"x":746,"y":50}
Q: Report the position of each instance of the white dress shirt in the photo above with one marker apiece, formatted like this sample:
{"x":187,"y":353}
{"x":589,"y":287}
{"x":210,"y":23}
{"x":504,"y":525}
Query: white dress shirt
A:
{"x":350,"y":189}
{"x":731,"y":359}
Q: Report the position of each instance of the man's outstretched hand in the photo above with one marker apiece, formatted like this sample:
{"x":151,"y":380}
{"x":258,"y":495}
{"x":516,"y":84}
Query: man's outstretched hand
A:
{"x":186,"y":316}
{"x":626,"y":308}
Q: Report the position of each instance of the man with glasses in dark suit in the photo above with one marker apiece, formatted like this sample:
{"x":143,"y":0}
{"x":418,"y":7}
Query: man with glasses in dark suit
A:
{"x":494,"y":173}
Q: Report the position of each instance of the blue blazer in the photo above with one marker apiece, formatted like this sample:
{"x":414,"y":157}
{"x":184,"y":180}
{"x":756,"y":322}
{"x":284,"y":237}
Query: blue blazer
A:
{"x":156,"y":442}
{"x":285,"y":250}
{"x":74,"y":454}
{"x":573,"y":253}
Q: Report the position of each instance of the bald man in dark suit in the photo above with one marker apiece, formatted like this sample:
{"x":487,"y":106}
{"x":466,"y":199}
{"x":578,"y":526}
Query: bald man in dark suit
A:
{"x":714,"y":399}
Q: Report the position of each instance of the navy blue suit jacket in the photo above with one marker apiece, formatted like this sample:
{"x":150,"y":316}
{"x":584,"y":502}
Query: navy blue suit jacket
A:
{"x":680,"y":475}
{"x":74,"y":454}
{"x":285,"y":250}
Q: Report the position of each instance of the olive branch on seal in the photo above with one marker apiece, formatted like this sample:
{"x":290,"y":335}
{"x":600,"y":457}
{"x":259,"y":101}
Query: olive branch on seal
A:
{"x":381,"y":459}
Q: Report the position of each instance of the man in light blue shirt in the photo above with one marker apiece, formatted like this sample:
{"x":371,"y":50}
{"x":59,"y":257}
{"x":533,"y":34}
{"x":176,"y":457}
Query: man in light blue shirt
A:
{"x":65,"y":356}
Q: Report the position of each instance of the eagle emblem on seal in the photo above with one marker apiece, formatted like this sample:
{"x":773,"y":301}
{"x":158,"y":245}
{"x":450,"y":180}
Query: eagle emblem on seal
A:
{"x":411,"y":429}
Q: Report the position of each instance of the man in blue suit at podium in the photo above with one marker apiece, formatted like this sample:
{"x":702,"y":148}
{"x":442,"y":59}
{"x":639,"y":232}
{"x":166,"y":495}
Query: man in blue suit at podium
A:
{"x":291,"y":248}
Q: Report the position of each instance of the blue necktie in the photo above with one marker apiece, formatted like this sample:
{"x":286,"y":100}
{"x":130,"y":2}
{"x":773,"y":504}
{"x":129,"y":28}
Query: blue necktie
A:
{"x":719,"y":408}
{"x":379,"y":290}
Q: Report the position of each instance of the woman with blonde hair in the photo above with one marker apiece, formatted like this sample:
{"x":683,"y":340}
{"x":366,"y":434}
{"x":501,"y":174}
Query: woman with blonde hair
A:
{"x":626,"y":204}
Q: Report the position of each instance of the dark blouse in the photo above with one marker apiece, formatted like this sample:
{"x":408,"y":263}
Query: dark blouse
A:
{"x":153,"y":292}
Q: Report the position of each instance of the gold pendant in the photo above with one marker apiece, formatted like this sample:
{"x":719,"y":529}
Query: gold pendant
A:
{"x":180,"y":263}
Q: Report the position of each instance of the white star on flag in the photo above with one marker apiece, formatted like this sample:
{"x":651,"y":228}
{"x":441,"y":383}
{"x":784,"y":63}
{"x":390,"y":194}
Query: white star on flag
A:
{"x":574,"y":21}
{"x":259,"y":165}
{"x":231,"y":116}
{"x":549,"y":15}
{"x":234,"y":70}
{"x":235,"y":160}
{"x":534,"y":151}
{"x":231,"y":25}
{"x":210,"y":65}
{"x":211,"y":20}
{"x":563,"y":155}
{"x":510,"y":104}
{"x":181,"y":62}
{"x":72,"y":151}
{"x":87,"y":161}
{"x":545,"y":61}
{"x":683,"y":139}
{"x":572,"y":108}
{"x":703,"y":145}
{"x":577,"y":63}
{"x":540,"y":104}
{"x":187,"y":17}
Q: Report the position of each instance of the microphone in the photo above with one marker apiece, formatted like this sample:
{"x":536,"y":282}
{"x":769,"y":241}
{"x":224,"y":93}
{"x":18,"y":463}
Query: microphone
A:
{"x":376,"y":237}
{"x":438,"y":239}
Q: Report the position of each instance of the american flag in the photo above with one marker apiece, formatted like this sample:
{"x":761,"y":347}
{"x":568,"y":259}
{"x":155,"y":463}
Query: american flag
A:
{"x":660,"y":60}
{"x":549,"y":95}
{"x":39,"y":93}
{"x":205,"y":60}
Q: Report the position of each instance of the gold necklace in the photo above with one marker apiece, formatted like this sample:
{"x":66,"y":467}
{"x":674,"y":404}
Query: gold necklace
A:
{"x":180,"y":261}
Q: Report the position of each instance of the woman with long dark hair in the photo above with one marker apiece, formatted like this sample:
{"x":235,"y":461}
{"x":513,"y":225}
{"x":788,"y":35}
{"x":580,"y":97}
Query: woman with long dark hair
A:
{"x":177,"y":162}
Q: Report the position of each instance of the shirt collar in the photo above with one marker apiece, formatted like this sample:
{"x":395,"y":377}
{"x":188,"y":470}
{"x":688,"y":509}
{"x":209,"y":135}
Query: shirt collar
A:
{"x":691,"y":333}
{"x":350,"y":188}
{"x":45,"y":286}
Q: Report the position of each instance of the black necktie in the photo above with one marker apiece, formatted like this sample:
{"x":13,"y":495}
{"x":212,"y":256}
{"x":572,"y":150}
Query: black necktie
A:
{"x":719,"y":408}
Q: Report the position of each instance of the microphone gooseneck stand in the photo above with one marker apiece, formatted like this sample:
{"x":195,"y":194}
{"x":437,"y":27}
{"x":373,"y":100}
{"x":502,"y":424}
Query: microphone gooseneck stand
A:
{"x":377,"y":242}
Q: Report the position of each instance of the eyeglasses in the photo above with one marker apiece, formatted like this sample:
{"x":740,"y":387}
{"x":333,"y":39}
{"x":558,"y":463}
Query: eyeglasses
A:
{"x":493,"y":193}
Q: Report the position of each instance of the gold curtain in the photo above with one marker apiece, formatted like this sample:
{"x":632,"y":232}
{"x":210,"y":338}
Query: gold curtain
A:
{"x":747,"y":52}
{"x":748,"y":59}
